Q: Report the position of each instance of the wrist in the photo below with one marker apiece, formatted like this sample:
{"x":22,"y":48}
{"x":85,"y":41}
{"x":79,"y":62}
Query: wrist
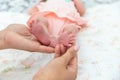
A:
{"x":44,"y":77}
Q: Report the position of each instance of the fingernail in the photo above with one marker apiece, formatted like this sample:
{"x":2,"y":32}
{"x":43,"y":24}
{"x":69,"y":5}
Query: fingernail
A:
{"x":76,"y":48}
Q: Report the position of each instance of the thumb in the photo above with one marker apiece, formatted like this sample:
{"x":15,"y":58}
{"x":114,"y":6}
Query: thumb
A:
{"x":67,"y":57}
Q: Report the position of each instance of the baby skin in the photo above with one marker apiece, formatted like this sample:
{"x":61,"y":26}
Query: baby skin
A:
{"x":39,"y":27}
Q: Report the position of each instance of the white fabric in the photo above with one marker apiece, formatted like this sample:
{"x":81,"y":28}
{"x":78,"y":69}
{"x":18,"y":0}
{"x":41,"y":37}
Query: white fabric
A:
{"x":99,"y":55}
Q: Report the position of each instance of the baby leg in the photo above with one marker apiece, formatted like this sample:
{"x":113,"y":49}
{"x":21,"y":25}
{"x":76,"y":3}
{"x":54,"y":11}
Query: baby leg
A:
{"x":39,"y":27}
{"x":67,"y":36}
{"x":33,"y":10}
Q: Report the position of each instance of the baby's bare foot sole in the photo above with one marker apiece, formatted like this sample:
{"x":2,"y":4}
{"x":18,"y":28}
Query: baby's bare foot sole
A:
{"x":39,"y":28}
{"x":54,"y":41}
{"x":67,"y":39}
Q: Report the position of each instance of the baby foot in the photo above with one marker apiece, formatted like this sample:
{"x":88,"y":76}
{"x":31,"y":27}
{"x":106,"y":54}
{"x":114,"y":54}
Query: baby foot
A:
{"x":38,"y":29}
{"x":54,"y":41}
{"x":67,"y":39}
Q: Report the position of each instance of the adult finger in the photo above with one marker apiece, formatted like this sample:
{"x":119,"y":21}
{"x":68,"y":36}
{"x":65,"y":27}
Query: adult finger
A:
{"x":45,"y":49}
{"x":62,"y":49}
{"x":57,"y":51}
{"x":73,"y":64}
{"x":67,"y":57}
{"x":16,"y":41}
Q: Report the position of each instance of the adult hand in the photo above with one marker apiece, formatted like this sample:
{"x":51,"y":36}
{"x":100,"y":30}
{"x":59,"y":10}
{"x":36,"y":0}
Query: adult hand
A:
{"x":63,"y":67}
{"x":18,"y":36}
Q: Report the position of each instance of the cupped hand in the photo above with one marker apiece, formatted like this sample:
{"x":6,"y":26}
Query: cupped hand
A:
{"x":18,"y":36}
{"x":63,"y":67}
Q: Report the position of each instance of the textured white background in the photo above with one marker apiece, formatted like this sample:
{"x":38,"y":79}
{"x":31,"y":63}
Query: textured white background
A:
{"x":99,"y":56}
{"x":24,"y":5}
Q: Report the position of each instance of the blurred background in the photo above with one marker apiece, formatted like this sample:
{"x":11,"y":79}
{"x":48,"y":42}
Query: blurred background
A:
{"x":22,"y":6}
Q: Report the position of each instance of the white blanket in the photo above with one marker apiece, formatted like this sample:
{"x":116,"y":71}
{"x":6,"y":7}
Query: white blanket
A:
{"x":99,"y":55}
